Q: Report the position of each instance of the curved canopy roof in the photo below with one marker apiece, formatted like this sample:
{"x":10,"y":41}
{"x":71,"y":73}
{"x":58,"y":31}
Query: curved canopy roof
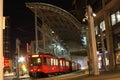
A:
{"x":66,"y":26}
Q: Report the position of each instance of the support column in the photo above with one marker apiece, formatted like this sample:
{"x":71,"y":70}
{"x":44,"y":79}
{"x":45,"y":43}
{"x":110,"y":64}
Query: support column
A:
{"x":44,"y":38}
{"x":1,"y":40}
{"x":93,"y":55}
{"x":109,"y":36}
{"x":109,"y":40}
{"x":36,"y":31}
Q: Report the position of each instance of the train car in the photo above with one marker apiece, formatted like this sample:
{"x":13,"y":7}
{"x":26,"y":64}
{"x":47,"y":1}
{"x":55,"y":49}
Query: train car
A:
{"x":42,"y":65}
{"x":74,"y":66}
{"x":64,"y":66}
{"x":61,"y":65}
{"x":54,"y":66}
{"x":67,"y":66}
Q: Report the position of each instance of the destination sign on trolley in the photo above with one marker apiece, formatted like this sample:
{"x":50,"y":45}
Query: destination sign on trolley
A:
{"x":35,"y":55}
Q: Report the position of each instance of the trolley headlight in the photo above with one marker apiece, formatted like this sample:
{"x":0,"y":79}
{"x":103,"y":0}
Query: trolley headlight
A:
{"x":38,"y":70}
{"x":31,"y":70}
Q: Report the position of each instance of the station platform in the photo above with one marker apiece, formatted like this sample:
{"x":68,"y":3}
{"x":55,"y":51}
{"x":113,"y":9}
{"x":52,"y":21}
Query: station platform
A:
{"x":104,"y":75}
{"x":80,"y":75}
{"x":84,"y":75}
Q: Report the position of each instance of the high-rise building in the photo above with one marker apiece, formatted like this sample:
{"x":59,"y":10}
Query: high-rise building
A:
{"x":6,"y":37}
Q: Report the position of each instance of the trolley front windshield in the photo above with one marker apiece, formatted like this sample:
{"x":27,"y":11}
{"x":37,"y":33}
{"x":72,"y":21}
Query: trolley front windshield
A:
{"x":35,"y":61}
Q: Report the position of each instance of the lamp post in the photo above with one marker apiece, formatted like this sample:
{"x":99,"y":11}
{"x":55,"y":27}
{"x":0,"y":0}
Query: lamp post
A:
{"x":17,"y":51}
{"x":21,"y":63}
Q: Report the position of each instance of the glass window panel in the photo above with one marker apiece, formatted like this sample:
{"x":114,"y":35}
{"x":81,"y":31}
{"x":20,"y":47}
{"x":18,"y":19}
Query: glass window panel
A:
{"x":56,"y":62}
{"x":35,"y":61}
{"x":67,"y":63}
{"x":45,"y":60}
{"x":113,"y":19}
{"x":102,"y":25}
{"x":96,"y":30}
{"x":60,"y":62}
{"x":118,"y":16}
{"x":52,"y":62}
{"x":48,"y":61}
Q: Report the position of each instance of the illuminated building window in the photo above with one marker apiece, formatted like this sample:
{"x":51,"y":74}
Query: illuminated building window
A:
{"x":118,"y":16}
{"x":113,"y":19}
{"x":96,"y":30}
{"x":102,"y":25}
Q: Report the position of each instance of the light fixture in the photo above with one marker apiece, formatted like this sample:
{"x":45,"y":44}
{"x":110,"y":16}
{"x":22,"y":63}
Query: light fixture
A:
{"x":53,"y":32}
{"x":21,"y":59}
{"x":94,"y":15}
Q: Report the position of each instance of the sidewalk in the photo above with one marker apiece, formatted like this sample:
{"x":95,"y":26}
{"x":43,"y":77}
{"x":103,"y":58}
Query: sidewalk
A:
{"x":104,"y":75}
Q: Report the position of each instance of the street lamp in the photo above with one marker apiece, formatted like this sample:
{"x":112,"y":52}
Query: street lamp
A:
{"x":18,"y":52}
{"x":22,"y":65}
{"x":21,"y":59}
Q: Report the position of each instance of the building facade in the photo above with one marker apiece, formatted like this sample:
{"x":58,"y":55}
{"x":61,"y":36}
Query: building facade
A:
{"x":6,"y":38}
{"x":107,"y":28}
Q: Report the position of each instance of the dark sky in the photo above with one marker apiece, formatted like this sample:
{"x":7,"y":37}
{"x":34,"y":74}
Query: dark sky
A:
{"x":22,"y":16}
{"x":18,"y":6}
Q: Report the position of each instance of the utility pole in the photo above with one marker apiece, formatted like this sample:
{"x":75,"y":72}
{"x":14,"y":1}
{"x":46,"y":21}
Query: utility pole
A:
{"x":18,"y":52}
{"x":1,"y":40}
{"x":92,"y":42}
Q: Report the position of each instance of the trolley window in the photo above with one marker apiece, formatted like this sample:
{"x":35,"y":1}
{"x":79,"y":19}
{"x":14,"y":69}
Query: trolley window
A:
{"x":60,"y":62}
{"x":35,"y":61}
{"x":45,"y":60}
{"x":67,"y":63}
{"x":56,"y":62}
{"x":52,"y":61}
{"x":63,"y":63}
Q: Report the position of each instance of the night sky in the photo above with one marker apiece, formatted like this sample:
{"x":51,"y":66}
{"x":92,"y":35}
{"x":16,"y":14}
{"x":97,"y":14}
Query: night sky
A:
{"x":22,"y":16}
